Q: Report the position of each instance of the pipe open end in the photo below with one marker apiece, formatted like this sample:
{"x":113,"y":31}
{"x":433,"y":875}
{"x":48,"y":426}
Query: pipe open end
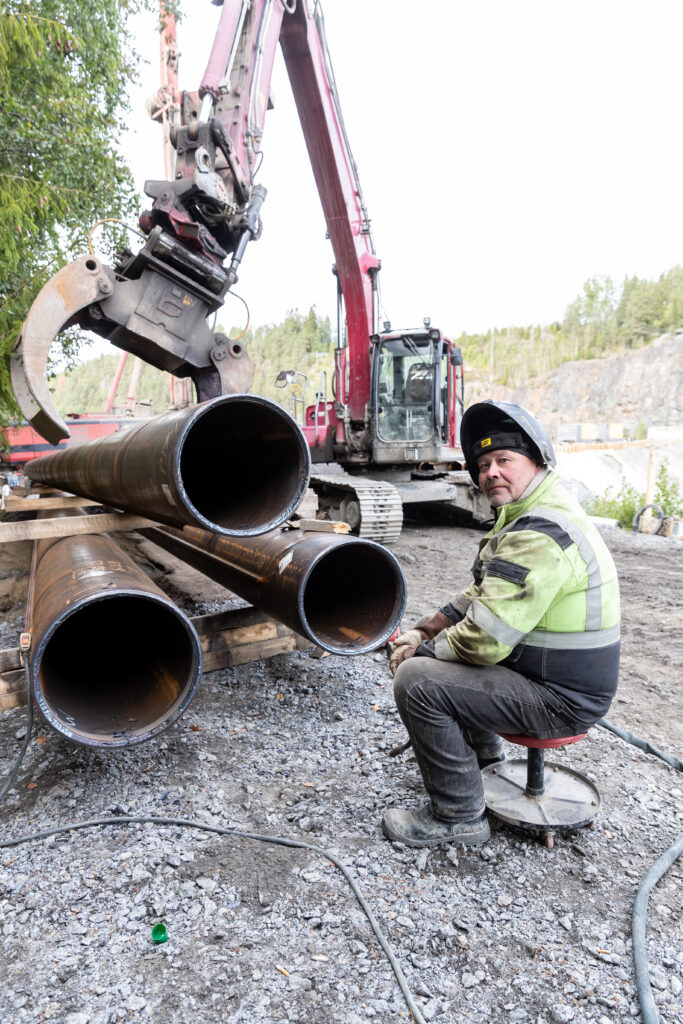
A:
{"x":244,"y":465}
{"x":117,"y":671}
{"x":354,"y":598}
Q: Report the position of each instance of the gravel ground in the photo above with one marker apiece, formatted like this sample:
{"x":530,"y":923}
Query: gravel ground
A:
{"x":299,"y":748}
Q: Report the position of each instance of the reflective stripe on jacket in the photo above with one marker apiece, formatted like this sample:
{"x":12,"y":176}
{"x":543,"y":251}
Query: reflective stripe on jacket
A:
{"x":544,"y":601}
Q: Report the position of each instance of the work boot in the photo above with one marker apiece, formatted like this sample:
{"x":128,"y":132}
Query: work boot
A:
{"x":423,"y":828}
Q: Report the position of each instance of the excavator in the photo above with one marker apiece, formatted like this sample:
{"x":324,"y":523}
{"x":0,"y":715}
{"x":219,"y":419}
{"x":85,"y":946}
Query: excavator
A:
{"x":388,"y":434}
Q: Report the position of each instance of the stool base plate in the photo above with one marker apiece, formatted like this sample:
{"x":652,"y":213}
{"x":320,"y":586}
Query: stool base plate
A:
{"x":570,"y":799}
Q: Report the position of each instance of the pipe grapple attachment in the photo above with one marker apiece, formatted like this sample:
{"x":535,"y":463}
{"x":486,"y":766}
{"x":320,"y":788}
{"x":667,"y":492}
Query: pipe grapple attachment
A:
{"x":153,"y":303}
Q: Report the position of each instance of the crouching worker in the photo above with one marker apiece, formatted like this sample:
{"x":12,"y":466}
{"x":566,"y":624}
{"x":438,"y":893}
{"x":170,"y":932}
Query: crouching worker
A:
{"x":530,"y":648}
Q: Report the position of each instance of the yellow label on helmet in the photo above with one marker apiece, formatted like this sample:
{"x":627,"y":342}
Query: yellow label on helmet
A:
{"x":486,"y":442}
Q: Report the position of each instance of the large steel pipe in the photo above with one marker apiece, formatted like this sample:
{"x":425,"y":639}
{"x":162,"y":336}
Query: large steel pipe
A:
{"x":113,"y":661}
{"x":345,"y":594}
{"x":238,"y":465}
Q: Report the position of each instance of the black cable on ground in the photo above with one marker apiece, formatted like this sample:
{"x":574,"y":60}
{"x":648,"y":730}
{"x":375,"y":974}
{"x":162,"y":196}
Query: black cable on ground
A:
{"x":639,"y":922}
{"x":279,"y":841}
{"x":190,"y":823}
{"x":641,"y":969}
{"x":635,"y":741}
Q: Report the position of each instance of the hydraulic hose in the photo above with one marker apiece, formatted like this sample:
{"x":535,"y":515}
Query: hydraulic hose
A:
{"x":641,"y":970}
{"x":638,"y":925}
{"x":635,"y":741}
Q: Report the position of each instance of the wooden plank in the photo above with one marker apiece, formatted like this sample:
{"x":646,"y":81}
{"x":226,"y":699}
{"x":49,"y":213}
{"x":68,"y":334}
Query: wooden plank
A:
{"x":321,"y":525}
{"x":236,"y":637}
{"x":12,"y":690}
{"x":38,"y":529}
{"x":241,"y":635}
{"x":230,"y":619}
{"x":250,"y":652}
{"x":10,"y":659}
{"x":37,"y":504}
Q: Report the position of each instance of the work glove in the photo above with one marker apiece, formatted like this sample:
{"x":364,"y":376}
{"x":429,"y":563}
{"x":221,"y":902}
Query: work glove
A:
{"x":404,"y":646}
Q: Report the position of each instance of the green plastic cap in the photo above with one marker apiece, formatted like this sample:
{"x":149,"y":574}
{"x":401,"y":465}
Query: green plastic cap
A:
{"x":159,"y":934}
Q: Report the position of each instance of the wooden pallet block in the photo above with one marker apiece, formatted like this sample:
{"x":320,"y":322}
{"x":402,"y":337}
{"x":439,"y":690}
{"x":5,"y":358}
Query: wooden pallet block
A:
{"x":12,"y":679}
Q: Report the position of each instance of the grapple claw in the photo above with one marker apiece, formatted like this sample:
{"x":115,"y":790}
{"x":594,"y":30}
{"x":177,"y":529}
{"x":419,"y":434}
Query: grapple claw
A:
{"x":74,"y":287}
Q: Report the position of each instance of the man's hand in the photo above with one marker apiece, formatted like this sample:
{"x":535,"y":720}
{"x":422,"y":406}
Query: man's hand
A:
{"x":404,"y":647}
{"x":431,"y":625}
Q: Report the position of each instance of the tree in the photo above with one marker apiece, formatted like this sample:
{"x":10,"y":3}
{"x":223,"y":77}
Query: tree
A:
{"x":64,"y":69}
{"x":591,"y":317}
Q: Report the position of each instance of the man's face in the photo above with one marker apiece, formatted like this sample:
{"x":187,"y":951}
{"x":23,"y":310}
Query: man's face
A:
{"x":505,"y":475}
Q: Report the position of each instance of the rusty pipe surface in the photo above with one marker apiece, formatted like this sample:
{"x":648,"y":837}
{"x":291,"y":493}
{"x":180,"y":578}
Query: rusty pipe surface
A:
{"x":113,"y":661}
{"x":345,"y":594}
{"x":238,"y":465}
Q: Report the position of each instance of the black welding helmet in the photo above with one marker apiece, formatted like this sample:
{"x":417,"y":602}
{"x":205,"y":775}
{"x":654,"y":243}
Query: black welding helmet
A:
{"x":490,"y":426}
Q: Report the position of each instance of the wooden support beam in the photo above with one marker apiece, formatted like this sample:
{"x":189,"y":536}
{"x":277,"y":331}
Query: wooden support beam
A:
{"x":38,"y":529}
{"x":38,"y":504}
{"x":10,"y":659}
{"x":242,"y":635}
{"x":12,"y":680}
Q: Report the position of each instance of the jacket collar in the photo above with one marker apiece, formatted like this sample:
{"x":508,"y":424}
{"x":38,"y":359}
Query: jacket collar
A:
{"x":540,"y":484}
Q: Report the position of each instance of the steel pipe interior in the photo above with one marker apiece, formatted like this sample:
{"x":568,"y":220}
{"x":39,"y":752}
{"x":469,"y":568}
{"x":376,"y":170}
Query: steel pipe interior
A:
{"x":354,"y":597}
{"x":100,"y":688}
{"x":245,"y":466}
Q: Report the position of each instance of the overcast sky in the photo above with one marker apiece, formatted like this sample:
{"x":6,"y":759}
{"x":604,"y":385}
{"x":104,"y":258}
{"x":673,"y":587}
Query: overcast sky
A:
{"x":507,"y":150}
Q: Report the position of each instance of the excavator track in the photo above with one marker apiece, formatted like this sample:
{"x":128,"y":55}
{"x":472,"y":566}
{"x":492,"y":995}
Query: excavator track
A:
{"x":372,"y":509}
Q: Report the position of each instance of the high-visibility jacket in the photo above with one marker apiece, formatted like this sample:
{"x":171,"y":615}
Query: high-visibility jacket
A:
{"x":544,"y":602}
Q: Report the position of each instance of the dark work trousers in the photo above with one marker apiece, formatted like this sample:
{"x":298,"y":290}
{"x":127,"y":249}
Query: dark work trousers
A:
{"x":453,"y":712}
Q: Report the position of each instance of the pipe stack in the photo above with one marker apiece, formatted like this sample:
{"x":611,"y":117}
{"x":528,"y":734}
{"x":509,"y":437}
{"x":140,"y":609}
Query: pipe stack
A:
{"x":113,"y":661}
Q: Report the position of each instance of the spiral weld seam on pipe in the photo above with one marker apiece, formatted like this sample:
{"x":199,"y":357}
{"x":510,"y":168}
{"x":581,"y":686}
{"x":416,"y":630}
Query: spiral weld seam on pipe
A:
{"x":238,"y":465}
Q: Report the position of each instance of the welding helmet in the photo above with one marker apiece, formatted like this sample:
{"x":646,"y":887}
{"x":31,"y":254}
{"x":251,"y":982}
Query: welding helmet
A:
{"x":490,"y":426}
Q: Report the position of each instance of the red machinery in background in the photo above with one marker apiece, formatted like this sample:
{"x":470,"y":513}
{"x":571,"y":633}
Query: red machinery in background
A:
{"x":392,"y":422}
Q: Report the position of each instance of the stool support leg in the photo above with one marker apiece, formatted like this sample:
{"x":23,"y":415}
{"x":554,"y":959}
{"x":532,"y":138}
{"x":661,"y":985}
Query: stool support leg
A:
{"x":535,"y":784}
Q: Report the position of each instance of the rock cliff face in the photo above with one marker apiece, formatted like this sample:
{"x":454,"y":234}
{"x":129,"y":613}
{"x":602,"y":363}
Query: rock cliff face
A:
{"x":641,"y":386}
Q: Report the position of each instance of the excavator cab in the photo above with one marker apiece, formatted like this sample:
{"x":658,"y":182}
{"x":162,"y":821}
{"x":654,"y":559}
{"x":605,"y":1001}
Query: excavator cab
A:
{"x":415,"y":387}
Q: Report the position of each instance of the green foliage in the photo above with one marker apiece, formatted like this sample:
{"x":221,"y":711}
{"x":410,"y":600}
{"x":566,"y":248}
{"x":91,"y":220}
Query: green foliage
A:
{"x":300,"y":343}
{"x":85,"y":387}
{"x":601,"y":320}
{"x":622,"y":504}
{"x":64,"y":70}
{"x":668,"y":492}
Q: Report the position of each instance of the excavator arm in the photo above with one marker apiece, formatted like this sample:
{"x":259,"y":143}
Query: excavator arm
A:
{"x":155,"y":302}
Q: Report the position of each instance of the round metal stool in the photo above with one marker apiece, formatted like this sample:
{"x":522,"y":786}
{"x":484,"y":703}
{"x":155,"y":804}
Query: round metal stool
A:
{"x":536,"y":795}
